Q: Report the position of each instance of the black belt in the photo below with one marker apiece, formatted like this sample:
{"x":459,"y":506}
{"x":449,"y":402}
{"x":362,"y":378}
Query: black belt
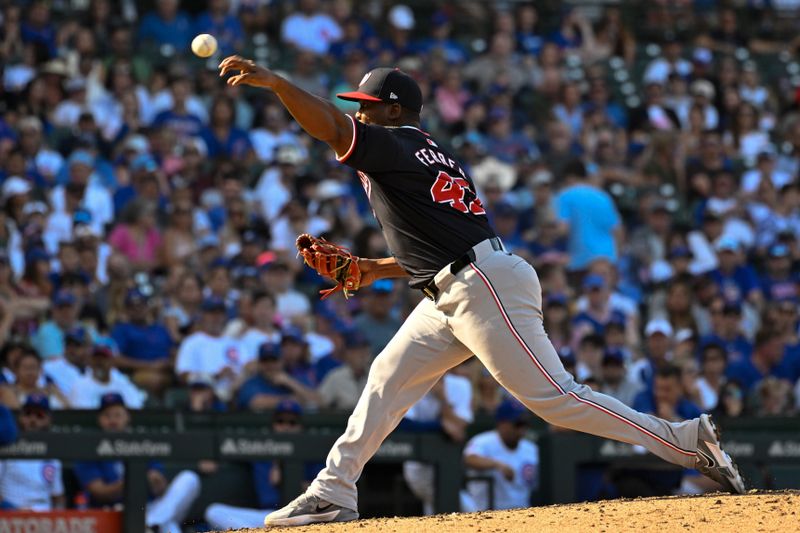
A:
{"x":431,"y":291}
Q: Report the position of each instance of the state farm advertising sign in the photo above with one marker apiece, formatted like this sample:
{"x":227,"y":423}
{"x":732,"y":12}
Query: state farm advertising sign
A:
{"x":61,"y":522}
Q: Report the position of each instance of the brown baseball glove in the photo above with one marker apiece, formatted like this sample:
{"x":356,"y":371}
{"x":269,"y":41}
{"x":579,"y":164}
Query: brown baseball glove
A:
{"x":330,"y":261}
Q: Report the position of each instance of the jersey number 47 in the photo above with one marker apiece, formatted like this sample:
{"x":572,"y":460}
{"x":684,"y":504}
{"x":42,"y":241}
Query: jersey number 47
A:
{"x":449,"y":190}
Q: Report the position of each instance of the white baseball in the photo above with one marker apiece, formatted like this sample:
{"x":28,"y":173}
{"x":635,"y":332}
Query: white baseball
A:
{"x":204,"y":45}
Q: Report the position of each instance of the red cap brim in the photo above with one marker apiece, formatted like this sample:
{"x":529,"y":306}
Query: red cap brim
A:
{"x":355,"y":96}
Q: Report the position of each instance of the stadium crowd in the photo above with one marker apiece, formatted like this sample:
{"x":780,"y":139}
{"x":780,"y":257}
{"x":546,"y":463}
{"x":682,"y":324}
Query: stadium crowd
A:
{"x":644,"y":160}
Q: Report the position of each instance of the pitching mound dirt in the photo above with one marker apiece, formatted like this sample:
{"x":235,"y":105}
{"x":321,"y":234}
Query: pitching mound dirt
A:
{"x":717,"y":513}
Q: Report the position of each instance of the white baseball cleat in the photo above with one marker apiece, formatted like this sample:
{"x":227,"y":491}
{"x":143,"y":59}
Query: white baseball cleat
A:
{"x":309,"y":509}
{"x":713,"y":461}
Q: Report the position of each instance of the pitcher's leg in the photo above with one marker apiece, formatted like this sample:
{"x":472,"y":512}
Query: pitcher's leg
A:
{"x":421,"y":351}
{"x":511,"y":342}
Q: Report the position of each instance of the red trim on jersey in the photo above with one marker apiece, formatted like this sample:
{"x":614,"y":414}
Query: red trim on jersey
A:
{"x":556,"y":385}
{"x":349,"y":151}
{"x":355,"y":96}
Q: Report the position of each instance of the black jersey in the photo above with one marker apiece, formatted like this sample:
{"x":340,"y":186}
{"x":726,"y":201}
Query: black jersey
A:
{"x":422,"y":198}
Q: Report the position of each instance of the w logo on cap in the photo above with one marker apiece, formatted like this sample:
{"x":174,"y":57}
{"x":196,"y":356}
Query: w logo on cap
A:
{"x":365,"y":78}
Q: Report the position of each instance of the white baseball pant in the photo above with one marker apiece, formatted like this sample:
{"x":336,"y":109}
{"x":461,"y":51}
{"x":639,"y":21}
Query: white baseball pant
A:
{"x":169,"y":510}
{"x":492,"y":308}
{"x":222,"y":516}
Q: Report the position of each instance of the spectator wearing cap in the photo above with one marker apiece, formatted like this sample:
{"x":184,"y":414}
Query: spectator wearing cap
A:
{"x":267,"y":477}
{"x":104,"y":481}
{"x":726,"y":329}
{"x":508,"y":457}
{"x":589,"y":218}
{"x":505,"y":142}
{"x":209,"y":351}
{"x":766,"y":360}
{"x":28,"y":379}
{"x":202,"y":398}
{"x":66,"y":370}
{"x":377,"y":320}
{"x":296,"y":357}
{"x":32,"y":484}
{"x":49,"y":338}
{"x":167,"y":25}
{"x":599,"y":310}
{"x":779,"y":282}
{"x":657,"y":353}
{"x":703,"y":95}
{"x":737,"y":282}
{"x":84,"y":183}
{"x":614,"y":379}
{"x":271,"y":385}
{"x":750,"y":88}
{"x":144,"y":343}
{"x":101,"y":379}
{"x":341,"y":387}
{"x":277,"y":279}
{"x":506,"y":221}
{"x":310,"y":28}
{"x":700,"y":241}
{"x":398,"y":43}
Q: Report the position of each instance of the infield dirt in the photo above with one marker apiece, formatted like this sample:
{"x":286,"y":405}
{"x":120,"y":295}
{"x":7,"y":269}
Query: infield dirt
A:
{"x":718,"y":513}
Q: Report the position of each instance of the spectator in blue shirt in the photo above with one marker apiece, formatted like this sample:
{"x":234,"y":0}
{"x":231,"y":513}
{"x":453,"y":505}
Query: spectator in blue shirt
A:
{"x":666,"y":398}
{"x":49,"y":338}
{"x":145,"y":345}
{"x":271,"y":385}
{"x":37,"y":27}
{"x":726,"y":330}
{"x":222,"y":138}
{"x":766,"y":360}
{"x":779,"y":282}
{"x":167,"y":25}
{"x":737,"y":282}
{"x":178,"y":118}
{"x":104,"y":481}
{"x":225,"y":27}
{"x":589,"y":217}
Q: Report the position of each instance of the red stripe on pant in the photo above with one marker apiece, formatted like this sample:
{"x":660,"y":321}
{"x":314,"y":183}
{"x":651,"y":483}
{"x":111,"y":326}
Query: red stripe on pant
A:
{"x":553,"y":381}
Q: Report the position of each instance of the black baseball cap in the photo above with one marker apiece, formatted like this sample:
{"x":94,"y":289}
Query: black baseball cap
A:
{"x":387,"y":84}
